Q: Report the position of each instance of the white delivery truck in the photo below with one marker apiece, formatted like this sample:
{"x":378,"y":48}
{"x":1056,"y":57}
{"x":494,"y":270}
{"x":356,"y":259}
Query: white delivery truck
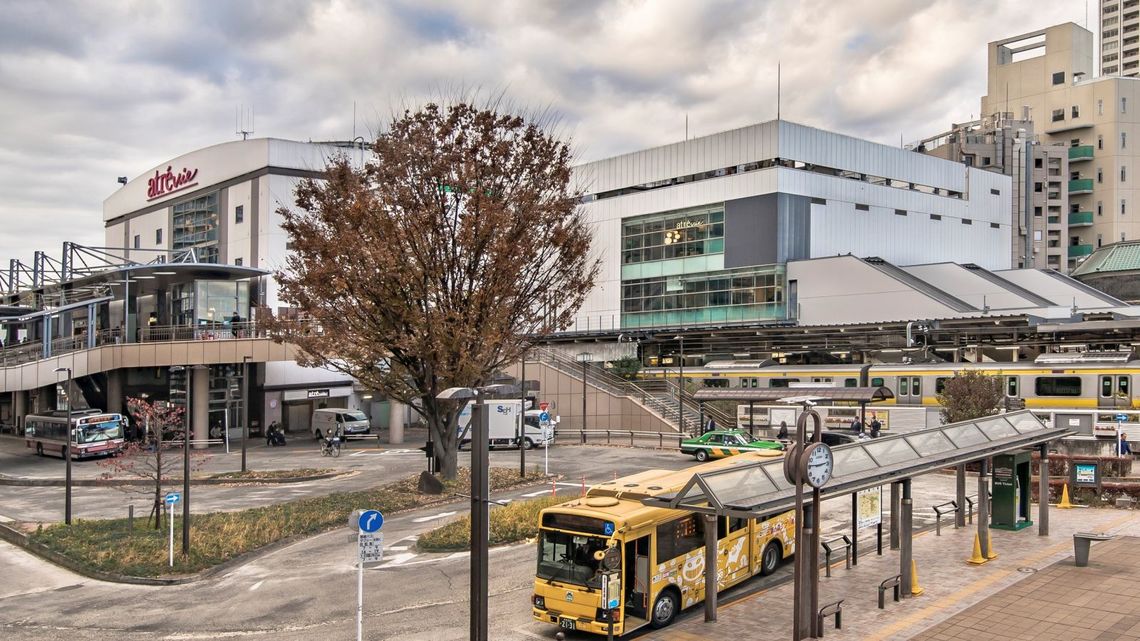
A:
{"x":504,"y":426}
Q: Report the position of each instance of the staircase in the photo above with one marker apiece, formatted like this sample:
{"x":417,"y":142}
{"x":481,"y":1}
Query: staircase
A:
{"x":658,"y":396}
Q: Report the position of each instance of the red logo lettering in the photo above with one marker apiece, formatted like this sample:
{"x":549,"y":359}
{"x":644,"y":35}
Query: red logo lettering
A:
{"x":168,"y":182}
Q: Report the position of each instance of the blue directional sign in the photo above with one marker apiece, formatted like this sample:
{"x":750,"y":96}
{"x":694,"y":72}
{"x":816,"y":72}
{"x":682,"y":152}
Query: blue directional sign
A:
{"x":544,"y":417}
{"x":370,"y":521}
{"x":172,"y":497}
{"x":1121,"y":418}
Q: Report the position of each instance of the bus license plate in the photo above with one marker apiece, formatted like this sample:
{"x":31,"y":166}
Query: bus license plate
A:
{"x":569,"y":624}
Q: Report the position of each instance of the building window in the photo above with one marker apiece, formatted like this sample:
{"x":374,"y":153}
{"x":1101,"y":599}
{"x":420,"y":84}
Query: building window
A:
{"x":1037,"y":187}
{"x":859,"y":207}
{"x":158,"y":237}
{"x":995,"y":226}
{"x":1099,"y":175}
{"x":1037,"y":212}
{"x":238,"y":262}
{"x":138,"y":241}
{"x":671,"y":235}
{"x":1059,"y":78}
{"x":289,"y":246}
{"x":1076,"y":111}
{"x":1058,"y":114}
{"x":986,"y":161}
{"x":707,"y":297}
{"x":995,"y":192}
{"x":1098,"y":240}
{"x":196,"y":227}
{"x":935,"y":217}
{"x":1100,"y":142}
{"x":239,"y":213}
{"x":900,"y":212}
{"x":1099,"y":208}
{"x":967,"y":221}
{"x":1100,"y":107}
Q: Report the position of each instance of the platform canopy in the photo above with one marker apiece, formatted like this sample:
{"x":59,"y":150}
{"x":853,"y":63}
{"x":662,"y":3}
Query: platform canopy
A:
{"x":760,"y":489}
{"x":793,"y":394}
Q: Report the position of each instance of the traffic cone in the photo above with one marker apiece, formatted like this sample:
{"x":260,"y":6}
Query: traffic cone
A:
{"x":915,"y":590}
{"x":990,"y":547}
{"x":977,"y":558}
{"x":1065,"y":504}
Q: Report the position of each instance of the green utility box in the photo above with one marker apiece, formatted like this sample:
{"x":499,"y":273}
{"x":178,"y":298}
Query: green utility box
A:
{"x":1011,"y":491}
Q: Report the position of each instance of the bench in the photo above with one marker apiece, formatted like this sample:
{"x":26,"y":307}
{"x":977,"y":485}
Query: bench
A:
{"x":1081,"y":543}
{"x":888,"y":583}
{"x":829,"y":548}
{"x":831,"y":609}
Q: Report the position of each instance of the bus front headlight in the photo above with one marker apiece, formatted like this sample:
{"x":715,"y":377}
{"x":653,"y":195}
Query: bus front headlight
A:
{"x":539,"y":602}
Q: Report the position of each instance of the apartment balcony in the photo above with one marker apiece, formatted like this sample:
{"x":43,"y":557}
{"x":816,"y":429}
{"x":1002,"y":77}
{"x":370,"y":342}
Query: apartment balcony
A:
{"x":1080,"y":218}
{"x":1079,"y":251}
{"x":1080,"y":186}
{"x":1054,"y":220}
{"x":1080,"y":153}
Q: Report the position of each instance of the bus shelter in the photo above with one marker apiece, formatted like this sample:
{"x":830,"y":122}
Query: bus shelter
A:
{"x":855,"y":395}
{"x":757,"y":490}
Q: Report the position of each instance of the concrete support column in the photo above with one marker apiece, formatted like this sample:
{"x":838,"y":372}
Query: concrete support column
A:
{"x":396,"y":412}
{"x":960,"y":497}
{"x":710,"y":566}
{"x":906,"y":540}
{"x":984,"y":506}
{"x":1043,"y":493}
{"x":896,"y":505}
{"x":92,"y":327}
{"x":19,"y":408}
{"x":115,"y":391}
{"x":200,"y":404}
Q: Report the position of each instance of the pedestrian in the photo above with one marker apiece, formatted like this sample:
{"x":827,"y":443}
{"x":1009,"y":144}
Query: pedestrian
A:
{"x":710,"y":425}
{"x":235,"y":320}
{"x":875,"y":425}
{"x":783,"y":433}
{"x":1125,"y":448}
{"x":856,"y":426}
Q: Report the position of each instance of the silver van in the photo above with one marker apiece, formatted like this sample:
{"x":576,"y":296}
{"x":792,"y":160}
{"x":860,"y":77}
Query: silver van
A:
{"x":339,"y":420}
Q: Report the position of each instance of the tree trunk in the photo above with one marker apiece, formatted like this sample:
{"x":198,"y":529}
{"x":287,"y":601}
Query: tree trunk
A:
{"x":443,"y":434}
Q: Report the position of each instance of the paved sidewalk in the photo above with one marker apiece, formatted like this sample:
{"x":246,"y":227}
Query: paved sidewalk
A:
{"x":1026,"y":561}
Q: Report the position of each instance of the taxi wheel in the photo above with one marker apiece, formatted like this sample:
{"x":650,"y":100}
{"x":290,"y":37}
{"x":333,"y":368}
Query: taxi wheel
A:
{"x":664,"y":609}
{"x":702,"y":455}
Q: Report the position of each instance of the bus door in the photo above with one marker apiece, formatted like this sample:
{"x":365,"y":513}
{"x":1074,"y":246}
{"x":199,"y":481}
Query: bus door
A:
{"x":734,"y":556}
{"x":909,"y":390}
{"x":635,"y":583}
{"x":1115,"y":391}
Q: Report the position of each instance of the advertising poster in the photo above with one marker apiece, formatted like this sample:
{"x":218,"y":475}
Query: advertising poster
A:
{"x":870,"y":507}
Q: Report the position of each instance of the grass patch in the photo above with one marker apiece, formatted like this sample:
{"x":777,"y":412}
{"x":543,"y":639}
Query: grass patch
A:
{"x":511,"y":523}
{"x":108,"y":545}
{"x":263,"y":475}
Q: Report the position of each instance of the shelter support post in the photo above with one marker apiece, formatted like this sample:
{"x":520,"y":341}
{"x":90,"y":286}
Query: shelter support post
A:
{"x":701,"y":415}
{"x":984,"y":506}
{"x":960,"y":496}
{"x":1043,"y":492}
{"x":854,"y":528}
{"x":895,"y":508}
{"x":710,"y":567}
{"x":751,"y":434}
{"x":905,"y":555}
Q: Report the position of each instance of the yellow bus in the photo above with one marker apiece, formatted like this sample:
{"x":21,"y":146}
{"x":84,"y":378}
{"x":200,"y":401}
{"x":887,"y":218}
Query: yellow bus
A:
{"x":655,"y":556}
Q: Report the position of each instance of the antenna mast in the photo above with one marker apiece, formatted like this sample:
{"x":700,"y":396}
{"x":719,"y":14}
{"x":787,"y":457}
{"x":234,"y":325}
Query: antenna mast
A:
{"x":241,"y":123}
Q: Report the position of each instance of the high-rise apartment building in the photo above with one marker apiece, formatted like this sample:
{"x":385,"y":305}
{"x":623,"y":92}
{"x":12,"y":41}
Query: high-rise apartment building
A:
{"x":1120,"y":37}
{"x":1046,"y":76}
{"x":1039,"y":198}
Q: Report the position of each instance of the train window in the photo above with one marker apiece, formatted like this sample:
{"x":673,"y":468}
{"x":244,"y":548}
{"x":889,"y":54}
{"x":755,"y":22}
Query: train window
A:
{"x":1011,"y":386}
{"x":755,"y":382}
{"x":715,"y":382}
{"x":851,"y":382}
{"x":876,"y":382}
{"x":916,"y":386}
{"x":1058,"y":385}
{"x":1105,"y":386}
{"x":1122,"y":385}
{"x":904,"y":386}
{"x":939,"y":384}
{"x":782,"y":382}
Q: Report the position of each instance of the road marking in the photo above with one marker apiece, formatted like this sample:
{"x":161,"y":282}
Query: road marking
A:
{"x":531,"y":495}
{"x":255,"y":586}
{"x":397,"y":548}
{"x":425,"y":519}
{"x":401,"y":559}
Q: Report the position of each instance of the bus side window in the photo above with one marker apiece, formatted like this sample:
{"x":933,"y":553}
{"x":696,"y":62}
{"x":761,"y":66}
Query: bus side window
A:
{"x":679,"y":537}
{"x":735,"y":524}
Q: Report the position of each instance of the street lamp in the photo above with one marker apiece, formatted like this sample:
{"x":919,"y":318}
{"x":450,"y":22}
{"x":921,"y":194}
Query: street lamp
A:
{"x":584,"y":358}
{"x":681,"y":386}
{"x":480,"y":494}
{"x":244,"y":408}
{"x":67,"y":450}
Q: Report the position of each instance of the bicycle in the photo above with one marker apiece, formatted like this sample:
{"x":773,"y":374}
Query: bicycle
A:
{"x":330,"y":446}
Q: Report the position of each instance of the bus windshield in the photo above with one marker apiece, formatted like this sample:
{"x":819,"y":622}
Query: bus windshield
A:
{"x":568,"y":557}
{"x":95,"y":432}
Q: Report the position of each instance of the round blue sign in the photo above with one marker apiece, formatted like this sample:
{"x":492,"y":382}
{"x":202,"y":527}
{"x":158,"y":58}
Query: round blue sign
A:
{"x":370,"y":521}
{"x":544,"y":417}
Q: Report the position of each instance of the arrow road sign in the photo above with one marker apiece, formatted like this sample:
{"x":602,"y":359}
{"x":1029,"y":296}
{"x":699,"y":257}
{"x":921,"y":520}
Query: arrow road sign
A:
{"x":370,"y":521}
{"x":172,"y":497}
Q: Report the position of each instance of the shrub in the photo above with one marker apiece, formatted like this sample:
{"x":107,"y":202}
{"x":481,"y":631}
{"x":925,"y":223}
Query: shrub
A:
{"x":509,"y":524}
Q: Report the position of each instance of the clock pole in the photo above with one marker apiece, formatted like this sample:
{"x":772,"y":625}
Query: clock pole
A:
{"x":796,"y":468}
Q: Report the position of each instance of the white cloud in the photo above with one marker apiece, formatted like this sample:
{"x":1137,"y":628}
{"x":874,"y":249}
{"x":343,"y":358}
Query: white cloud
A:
{"x":92,"y":91}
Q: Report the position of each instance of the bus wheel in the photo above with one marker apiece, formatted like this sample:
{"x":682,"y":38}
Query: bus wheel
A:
{"x":39,"y":449}
{"x":702,"y":455}
{"x":664,"y":609}
{"x":770,"y":559}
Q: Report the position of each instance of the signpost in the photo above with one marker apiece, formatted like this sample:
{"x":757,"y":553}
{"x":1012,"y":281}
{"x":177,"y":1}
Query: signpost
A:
{"x":370,"y":542}
{"x":544,"y":424}
{"x":170,"y":499}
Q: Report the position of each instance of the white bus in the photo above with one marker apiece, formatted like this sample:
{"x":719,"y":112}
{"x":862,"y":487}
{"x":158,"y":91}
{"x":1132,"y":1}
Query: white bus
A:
{"x":91,"y":434}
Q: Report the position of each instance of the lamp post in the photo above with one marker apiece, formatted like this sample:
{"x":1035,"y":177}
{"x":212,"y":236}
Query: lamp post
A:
{"x":681,"y":386}
{"x":584,"y":358}
{"x":67,"y":450}
{"x":244,"y":408}
{"x":522,"y":417}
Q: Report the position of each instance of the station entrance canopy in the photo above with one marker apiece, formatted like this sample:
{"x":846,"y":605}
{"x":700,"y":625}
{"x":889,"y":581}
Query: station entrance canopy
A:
{"x":760,"y":489}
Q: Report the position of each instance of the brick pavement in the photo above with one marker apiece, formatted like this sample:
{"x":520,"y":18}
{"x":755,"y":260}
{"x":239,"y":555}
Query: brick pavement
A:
{"x":961,"y":601}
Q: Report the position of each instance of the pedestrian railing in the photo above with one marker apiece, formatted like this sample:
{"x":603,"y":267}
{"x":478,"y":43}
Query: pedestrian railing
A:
{"x":627,"y":436}
{"x":949,"y":507}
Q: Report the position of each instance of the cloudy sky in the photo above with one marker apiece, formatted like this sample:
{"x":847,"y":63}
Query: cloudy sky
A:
{"x":91,"y":90}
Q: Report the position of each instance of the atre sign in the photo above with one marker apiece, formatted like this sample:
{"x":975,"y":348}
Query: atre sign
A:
{"x":166,"y":183}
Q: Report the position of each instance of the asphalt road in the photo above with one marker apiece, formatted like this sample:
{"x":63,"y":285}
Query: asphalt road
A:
{"x":308,"y":590}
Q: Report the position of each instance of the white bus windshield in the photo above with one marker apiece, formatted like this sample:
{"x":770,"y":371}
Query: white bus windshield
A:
{"x":96,"y":432}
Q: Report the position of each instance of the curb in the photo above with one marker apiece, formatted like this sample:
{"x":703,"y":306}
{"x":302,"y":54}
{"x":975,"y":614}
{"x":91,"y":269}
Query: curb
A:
{"x":26,"y":482}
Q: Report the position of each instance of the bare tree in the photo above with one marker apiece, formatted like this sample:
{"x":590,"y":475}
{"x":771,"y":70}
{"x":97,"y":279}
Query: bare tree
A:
{"x":145,"y":460}
{"x":969,"y":395}
{"x":430,"y":267}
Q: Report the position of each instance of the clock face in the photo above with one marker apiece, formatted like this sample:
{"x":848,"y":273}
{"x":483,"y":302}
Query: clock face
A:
{"x":818,"y":463}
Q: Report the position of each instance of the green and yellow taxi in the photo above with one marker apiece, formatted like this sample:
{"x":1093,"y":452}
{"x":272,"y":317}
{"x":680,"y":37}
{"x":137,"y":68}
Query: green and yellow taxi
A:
{"x":721,"y":443}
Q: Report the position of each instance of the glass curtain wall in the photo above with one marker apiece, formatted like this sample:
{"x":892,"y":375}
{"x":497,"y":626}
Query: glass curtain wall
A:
{"x":196,"y":227}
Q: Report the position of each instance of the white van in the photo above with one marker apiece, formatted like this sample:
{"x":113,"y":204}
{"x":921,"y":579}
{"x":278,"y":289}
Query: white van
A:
{"x":339,"y":420}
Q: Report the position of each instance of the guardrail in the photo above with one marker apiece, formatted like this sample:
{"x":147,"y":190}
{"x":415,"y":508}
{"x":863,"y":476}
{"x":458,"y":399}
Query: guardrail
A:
{"x":661,"y":437}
